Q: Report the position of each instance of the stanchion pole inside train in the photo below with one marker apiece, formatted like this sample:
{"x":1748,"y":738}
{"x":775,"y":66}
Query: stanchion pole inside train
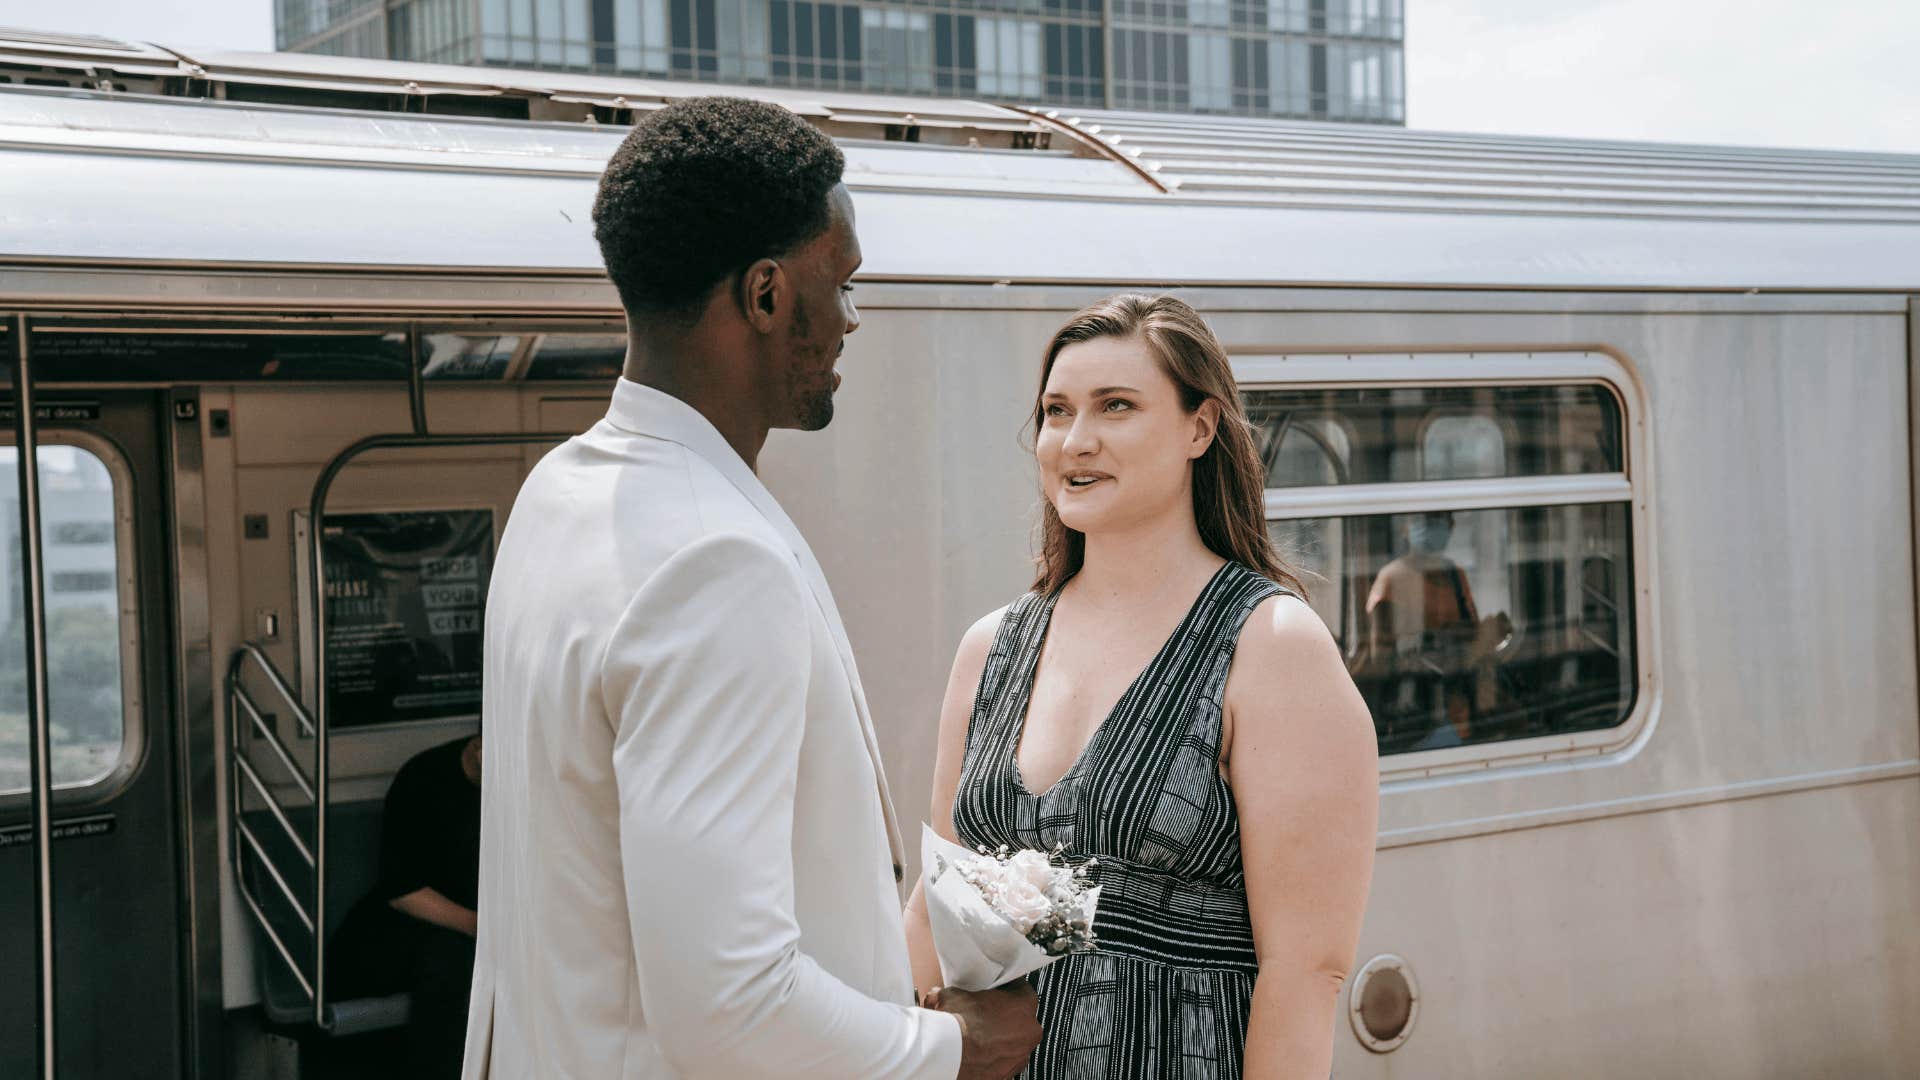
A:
{"x":416,"y":384}
{"x":39,"y":730}
{"x":322,"y":776}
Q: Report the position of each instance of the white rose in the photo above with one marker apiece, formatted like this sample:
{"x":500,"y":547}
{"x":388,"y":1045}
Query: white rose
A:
{"x":1032,"y":868}
{"x":1022,"y":904}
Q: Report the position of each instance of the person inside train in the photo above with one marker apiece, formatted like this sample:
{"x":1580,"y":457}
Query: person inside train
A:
{"x":414,"y":932}
{"x":1164,"y":703}
{"x":1425,"y":632}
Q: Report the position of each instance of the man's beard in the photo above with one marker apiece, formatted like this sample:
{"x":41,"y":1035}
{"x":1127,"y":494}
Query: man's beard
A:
{"x":809,"y":382}
{"x":812,"y":395}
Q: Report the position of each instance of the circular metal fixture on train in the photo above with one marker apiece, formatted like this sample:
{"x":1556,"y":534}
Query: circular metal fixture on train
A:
{"x":1383,"y":1003}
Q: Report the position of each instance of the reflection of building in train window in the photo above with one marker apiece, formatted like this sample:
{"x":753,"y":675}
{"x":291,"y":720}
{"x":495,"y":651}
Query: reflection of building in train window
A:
{"x":1308,"y":451}
{"x":1462,"y":448}
{"x":1403,"y":434}
{"x":1301,"y":447}
{"x":1471,"y":446}
{"x":84,"y":640}
{"x":1491,"y":613}
{"x":82,"y":581}
{"x":82,"y":532}
{"x":467,"y":356}
{"x":1313,"y":547}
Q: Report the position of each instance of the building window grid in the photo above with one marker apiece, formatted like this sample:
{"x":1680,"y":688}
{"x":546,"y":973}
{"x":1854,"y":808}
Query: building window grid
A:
{"x":1316,"y":59}
{"x":434,"y":31}
{"x":897,"y":49}
{"x":300,"y":20}
{"x":1313,"y":76}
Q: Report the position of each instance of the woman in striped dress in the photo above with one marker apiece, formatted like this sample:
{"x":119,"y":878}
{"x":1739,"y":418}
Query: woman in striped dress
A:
{"x":1163,"y":701}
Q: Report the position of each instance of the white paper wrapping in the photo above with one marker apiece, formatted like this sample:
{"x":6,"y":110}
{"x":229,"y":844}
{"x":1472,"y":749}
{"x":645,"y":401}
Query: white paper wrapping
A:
{"x":978,"y":948}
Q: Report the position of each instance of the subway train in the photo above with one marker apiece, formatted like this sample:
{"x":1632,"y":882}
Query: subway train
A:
{"x":1598,"y":458}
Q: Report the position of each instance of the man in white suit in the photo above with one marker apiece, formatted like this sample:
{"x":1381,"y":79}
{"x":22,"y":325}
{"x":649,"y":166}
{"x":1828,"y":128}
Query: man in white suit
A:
{"x":689,"y":863}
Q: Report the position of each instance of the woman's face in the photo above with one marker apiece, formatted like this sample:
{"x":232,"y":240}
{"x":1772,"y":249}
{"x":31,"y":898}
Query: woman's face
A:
{"x":1115,"y":447}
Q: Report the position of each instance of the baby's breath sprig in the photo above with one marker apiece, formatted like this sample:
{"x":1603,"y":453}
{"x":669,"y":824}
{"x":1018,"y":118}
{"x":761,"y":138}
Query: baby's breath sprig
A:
{"x":1045,"y":895}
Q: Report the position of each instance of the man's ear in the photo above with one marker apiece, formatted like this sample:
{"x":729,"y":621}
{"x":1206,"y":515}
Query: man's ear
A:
{"x":762,"y":292}
{"x":1206,"y":424}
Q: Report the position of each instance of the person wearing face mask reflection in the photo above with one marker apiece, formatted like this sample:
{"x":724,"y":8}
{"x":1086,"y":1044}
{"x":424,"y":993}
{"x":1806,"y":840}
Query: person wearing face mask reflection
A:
{"x":1423,"y":627}
{"x":1165,"y":703}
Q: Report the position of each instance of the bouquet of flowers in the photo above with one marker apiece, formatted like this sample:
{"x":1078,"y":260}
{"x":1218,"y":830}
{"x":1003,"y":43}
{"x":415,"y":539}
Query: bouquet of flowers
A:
{"x":1000,"y":915}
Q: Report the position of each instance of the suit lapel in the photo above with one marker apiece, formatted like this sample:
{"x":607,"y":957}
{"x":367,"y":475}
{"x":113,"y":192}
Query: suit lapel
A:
{"x":823,"y":596}
{"x":646,"y":411}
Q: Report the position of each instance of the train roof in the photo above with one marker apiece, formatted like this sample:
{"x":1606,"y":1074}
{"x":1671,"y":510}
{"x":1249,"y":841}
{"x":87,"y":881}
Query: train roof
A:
{"x":122,"y":153}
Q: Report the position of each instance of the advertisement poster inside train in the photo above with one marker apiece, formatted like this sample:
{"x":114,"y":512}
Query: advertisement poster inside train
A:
{"x":405,"y":595}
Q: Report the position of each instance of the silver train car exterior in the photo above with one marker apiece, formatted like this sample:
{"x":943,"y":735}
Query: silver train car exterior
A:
{"x":1663,"y":396}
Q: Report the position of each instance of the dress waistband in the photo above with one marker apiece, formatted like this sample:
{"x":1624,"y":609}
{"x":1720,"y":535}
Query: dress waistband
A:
{"x":1149,"y":914}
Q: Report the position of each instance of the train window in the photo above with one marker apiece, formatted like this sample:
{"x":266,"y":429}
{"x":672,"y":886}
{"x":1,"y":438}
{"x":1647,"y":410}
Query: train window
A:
{"x":75,"y":351}
{"x":1397,"y":434}
{"x":1475,"y":626}
{"x":578,"y":356}
{"x":468,"y":356}
{"x":1469,"y":545}
{"x":85,"y":659}
{"x":79,"y":353}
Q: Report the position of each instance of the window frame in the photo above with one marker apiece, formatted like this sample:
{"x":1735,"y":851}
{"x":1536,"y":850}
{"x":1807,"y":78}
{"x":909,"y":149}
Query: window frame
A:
{"x":1632,"y":487}
{"x":133,"y":725}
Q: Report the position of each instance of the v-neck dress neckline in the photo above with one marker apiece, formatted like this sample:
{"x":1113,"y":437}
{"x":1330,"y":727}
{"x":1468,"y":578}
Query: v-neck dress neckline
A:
{"x":1023,"y":708}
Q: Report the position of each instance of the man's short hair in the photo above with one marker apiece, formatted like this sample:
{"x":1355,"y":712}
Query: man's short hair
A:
{"x":706,"y":187}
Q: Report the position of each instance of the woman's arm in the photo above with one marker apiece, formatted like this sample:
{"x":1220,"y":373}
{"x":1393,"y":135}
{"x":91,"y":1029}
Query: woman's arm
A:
{"x":1303,"y":764}
{"x":956,"y":712}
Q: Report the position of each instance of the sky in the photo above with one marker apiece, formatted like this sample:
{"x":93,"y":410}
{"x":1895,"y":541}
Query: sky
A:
{"x":1838,"y":74}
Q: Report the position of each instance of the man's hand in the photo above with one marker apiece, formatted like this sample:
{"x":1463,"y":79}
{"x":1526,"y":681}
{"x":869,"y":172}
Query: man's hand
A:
{"x":998,"y":1028}
{"x":429,"y":905}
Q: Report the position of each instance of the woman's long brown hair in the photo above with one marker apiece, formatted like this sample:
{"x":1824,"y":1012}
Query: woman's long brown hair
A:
{"x":1229,"y":482}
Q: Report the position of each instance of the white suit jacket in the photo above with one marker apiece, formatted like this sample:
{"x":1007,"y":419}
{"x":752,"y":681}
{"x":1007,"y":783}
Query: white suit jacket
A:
{"x":687,"y":859}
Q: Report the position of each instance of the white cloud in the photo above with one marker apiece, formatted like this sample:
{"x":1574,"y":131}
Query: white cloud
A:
{"x":1839,"y":73}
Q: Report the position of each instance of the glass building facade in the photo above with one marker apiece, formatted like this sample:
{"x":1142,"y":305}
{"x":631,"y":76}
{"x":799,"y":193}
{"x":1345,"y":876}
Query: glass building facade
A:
{"x":1309,"y":59}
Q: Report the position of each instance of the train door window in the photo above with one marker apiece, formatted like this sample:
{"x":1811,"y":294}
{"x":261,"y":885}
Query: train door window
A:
{"x":87,"y":567}
{"x":1468,"y":538}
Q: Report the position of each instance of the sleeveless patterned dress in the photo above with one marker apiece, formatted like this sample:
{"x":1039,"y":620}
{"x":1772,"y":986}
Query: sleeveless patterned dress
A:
{"x":1167,"y":993}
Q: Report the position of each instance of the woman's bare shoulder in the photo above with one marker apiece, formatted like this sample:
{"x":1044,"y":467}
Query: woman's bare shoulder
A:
{"x":987,"y":625}
{"x":977,"y":642}
{"x":1283,"y":625}
{"x":1289,"y":675}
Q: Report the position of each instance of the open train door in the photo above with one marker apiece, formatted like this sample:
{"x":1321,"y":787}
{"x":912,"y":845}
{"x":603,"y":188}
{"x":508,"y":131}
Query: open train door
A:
{"x":118,"y":942}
